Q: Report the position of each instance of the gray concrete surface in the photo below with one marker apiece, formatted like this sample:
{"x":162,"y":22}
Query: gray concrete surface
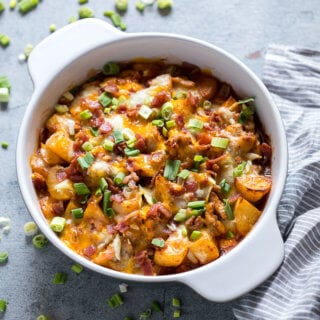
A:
{"x":244,"y":28}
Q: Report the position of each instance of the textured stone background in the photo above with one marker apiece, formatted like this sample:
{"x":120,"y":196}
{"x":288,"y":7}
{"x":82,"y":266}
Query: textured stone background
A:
{"x":244,"y":28}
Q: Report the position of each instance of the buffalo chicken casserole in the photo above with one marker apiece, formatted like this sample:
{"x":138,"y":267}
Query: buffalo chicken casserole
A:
{"x":152,"y":169}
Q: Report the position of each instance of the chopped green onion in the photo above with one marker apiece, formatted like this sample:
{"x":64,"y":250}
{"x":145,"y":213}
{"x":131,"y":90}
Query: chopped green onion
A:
{"x":42,"y":317}
{"x":115,"y":102}
{"x":85,"y":12}
{"x":81,"y":188}
{"x":4,"y":95}
{"x":176,"y":302}
{"x":176,"y":313}
{"x":115,"y":18}
{"x":239,"y":169}
{"x":103,"y":184}
{"x":195,"y":235}
{"x":195,"y":125}
{"x":130,"y":152}
{"x":68,"y":96}
{"x":57,"y":224}
{"x":106,"y":110}
{"x":72,"y":19}
{"x":166,"y":111}
{"x":111,"y":69}
{"x":197,"y":212}
{"x":115,"y":301}
{"x":61,"y":108}
{"x":87,"y":146}
{"x":164,"y":132}
{"x":164,"y":4}
{"x":83,"y":1}
{"x":184,"y":230}
{"x":4,"y":144}
{"x":106,"y":200}
{"x":145,"y":112}
{"x":184,"y":174}
{"x":170,"y":124}
{"x":4,"y":256}
{"x":230,"y":234}
{"x":145,"y":314}
{"x":86,"y":114}
{"x":158,"y":123}
{"x":28,"y":49}
{"x":39,"y":241}
{"x":122,"y":5}
{"x":27,"y":5}
{"x":219,"y":142}
{"x":180,"y":95}
{"x":12,"y":4}
{"x":181,"y":215}
{"x":198,"y":158}
{"x":98,"y":192}
{"x":245,"y":113}
{"x":118,"y":179}
{"x":52,"y":28}
{"x":118,"y":136}
{"x":105,"y":99}
{"x":228,"y":209}
{"x":225,"y":186}
{"x":131,"y":143}
{"x":171,"y":169}
{"x":110,"y":212}
{"x":2,"y":6}
{"x":4,"y":40}
{"x":4,"y":82}
{"x":60,"y":278}
{"x":108,"y":145}
{"x":158,"y":242}
{"x":95,"y":131}
{"x":244,"y":101}
{"x":77,"y":213}
{"x":128,"y":134}
{"x":196,"y":204}
{"x":77,"y":268}
{"x":156,"y":306}
{"x":207,"y":105}
{"x":30,"y":229}
{"x":86,"y":161}
{"x":3,"y":305}
{"x":140,"y":5}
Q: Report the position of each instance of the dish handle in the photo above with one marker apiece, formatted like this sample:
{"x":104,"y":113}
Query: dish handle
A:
{"x":243,"y":269}
{"x":57,"y":50}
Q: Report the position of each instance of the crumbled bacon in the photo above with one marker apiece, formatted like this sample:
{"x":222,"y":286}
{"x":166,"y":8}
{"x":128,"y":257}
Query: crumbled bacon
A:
{"x":111,"y":87}
{"x":96,"y":121}
{"x":74,"y":172}
{"x":176,"y":189}
{"x":58,"y":208}
{"x":122,"y":227}
{"x":159,"y":99}
{"x":192,"y":100}
{"x":144,"y":262}
{"x":39,"y":181}
{"x":191,"y":186}
{"x":90,"y":104}
{"x":141,"y":143}
{"x":89,"y":251}
{"x":179,"y":121}
{"x":81,"y":137}
{"x":266,"y":151}
{"x":105,"y":127}
{"x":116,"y":197}
{"x":61,"y":175}
{"x":157,"y":209}
{"x":194,"y":223}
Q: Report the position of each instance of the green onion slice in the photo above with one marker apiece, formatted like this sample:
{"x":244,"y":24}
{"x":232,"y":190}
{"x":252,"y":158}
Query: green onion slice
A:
{"x":171,"y":169}
{"x":118,"y":136}
{"x":218,"y":142}
{"x":77,"y":213}
{"x":196,"y":204}
{"x":239,"y":169}
{"x":30,"y":229}
{"x":105,"y":99}
{"x":118,"y":179}
{"x":39,"y":241}
{"x":111,"y":68}
{"x":166,"y":111}
{"x":4,"y":256}
{"x":86,"y":114}
{"x":247,"y":100}
{"x":195,"y":125}
{"x":108,"y":145}
{"x":57,"y":224}
{"x":115,"y":301}
{"x":225,"y":186}
{"x":176,"y":302}
{"x":87,"y":146}
{"x":181,"y":215}
{"x":195,"y":235}
{"x":77,"y":268}
{"x":156,"y":306}
{"x":158,"y":123}
{"x":184,"y":174}
{"x":3,"y":305}
{"x":81,"y":188}
{"x":228,"y":209}
{"x":158,"y":242}
{"x":60,"y":278}
{"x":106,"y":201}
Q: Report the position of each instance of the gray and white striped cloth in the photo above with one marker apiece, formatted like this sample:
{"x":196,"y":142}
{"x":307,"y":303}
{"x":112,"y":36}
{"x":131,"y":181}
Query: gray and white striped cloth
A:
{"x":293,"y":292}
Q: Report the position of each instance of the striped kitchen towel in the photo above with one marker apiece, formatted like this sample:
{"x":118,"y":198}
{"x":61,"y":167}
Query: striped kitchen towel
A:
{"x":293,"y":292}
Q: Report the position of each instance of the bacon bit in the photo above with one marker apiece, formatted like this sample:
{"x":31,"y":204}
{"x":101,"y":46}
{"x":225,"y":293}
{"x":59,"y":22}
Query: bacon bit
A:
{"x":111,"y":229}
{"x":116,"y":197}
{"x":157,"y":157}
{"x":266,"y":152}
{"x":179,"y":121}
{"x":211,"y":162}
{"x":132,"y":176}
{"x":105,"y":127}
{"x":39,"y":181}
{"x":191,"y":186}
{"x":89,"y":251}
{"x":238,"y":159}
{"x":193,"y":101}
{"x":159,"y":99}
{"x":61,"y":175}
{"x":96,"y":122}
{"x":81,"y":137}
{"x":141,"y":143}
{"x":122,"y":108}
{"x":183,"y":81}
{"x":119,"y":148}
{"x":74,"y":172}
{"x":176,"y":189}
{"x":111,"y":87}
{"x":58,"y":208}
{"x":233,"y":198}
{"x":122,"y":227}
{"x":90,"y":104}
{"x":194,"y":223}
{"x":144,"y":262}
{"x":157,"y":209}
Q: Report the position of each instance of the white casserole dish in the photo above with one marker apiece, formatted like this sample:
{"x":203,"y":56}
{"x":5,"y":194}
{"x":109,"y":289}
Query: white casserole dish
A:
{"x":66,"y":58}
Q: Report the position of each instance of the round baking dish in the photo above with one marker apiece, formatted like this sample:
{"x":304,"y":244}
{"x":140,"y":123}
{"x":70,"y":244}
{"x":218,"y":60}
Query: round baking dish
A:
{"x":68,"y":57}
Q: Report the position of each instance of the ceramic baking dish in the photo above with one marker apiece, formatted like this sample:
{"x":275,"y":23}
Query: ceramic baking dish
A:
{"x":69,"y":56}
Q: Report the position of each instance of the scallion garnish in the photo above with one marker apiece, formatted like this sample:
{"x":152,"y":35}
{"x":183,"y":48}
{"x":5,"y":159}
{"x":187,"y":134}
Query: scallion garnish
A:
{"x":196,"y":204}
{"x":86,"y":161}
{"x":145,"y":314}
{"x":110,"y":68}
{"x":171,"y":169}
{"x":156,"y":306}
{"x":60,"y":278}
{"x":4,"y":256}
{"x":4,"y":95}
{"x":42,"y":317}
{"x":228,"y":209}
{"x":85,"y":12}
{"x":244,"y":101}
{"x":108,"y":145}
{"x":184,"y":174}
{"x":103,"y":184}
{"x":118,"y":136}
{"x":170,"y":124}
{"x":77,"y":268}
{"x":39,"y":241}
{"x":158,"y":123}
{"x":128,"y":134}
{"x":86,"y":114}
{"x":57,"y":224}
{"x":195,"y":125}
{"x":61,"y":108}
{"x":95,"y":131}
{"x":246,"y":111}
{"x":81,"y":188}
{"x":145,"y":112}
{"x":158,"y":242}
{"x":82,"y":1}
{"x":176,"y":313}
{"x":77,"y":213}
{"x":87,"y":146}
{"x":122,"y":5}
{"x":164,"y":4}
{"x":52,"y":28}
{"x":4,"y":144}
{"x":4,"y":81}
{"x":27,"y":5}
{"x":230,"y":234}
{"x":3,"y":305}
{"x":140,"y":5}
{"x":225,"y":186}
{"x":207,"y":105}
{"x":195,"y":235}
{"x":106,"y":201}
{"x":166,"y":111}
{"x":118,"y":179}
{"x":110,"y":212}
{"x":181,"y":215}
{"x":131,"y":152}
{"x":184,"y":230}
{"x":219,"y":142}
{"x":176,"y":302}
{"x":30,"y":229}
{"x":239,"y":169}
{"x":4,"y":39}
{"x":180,"y":95}
{"x":115,"y":301}
{"x":105,"y":99}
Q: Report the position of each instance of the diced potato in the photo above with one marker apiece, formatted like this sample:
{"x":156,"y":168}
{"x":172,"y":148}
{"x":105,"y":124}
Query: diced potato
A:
{"x":245,"y":215}
{"x":38,"y":165}
{"x":204,"y":249}
{"x":104,"y":257}
{"x":93,"y":211}
{"x":174,"y":251}
{"x":60,"y":144}
{"x":59,"y":122}
{"x":46,"y":204}
{"x":127,"y":206}
{"x":162,"y":194}
{"x":253,"y":187}
{"x":60,"y":190}
{"x":48,"y":156}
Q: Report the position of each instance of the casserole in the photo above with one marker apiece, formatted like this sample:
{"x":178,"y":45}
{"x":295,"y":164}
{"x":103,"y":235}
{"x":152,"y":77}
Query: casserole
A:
{"x":86,"y":45}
